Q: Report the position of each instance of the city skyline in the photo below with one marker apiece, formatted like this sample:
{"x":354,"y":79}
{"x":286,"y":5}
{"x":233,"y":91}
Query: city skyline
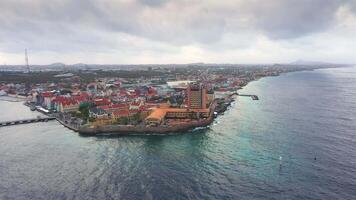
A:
{"x":165,"y":32}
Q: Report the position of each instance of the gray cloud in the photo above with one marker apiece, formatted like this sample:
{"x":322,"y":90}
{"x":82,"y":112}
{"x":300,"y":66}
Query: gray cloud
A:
{"x":294,"y":18}
{"x":93,"y":25}
{"x":153,"y":2}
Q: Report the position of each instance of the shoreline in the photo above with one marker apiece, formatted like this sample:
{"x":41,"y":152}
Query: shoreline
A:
{"x":126,"y":130}
{"x":147,"y":130}
{"x":160,"y":130}
{"x":121,"y":130}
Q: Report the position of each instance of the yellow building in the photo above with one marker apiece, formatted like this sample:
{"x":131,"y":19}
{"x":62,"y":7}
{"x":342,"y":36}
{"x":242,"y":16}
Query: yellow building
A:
{"x":158,"y":116}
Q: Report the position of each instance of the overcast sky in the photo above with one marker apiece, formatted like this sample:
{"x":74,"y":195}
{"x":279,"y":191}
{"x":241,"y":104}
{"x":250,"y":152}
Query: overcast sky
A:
{"x":177,"y":31}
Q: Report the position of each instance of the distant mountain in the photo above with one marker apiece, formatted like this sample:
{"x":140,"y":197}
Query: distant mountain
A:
{"x":57,"y":65}
{"x":197,"y":63}
{"x":79,"y":65}
{"x":305,"y":62}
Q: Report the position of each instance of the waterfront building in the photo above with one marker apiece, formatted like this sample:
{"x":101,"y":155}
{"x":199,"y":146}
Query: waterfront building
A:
{"x":44,"y":99}
{"x":69,"y":106}
{"x":222,"y":93}
{"x":196,"y":96}
{"x":66,"y":103}
{"x":159,"y":115}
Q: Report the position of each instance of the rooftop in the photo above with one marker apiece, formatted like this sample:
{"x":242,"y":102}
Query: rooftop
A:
{"x":159,"y":113}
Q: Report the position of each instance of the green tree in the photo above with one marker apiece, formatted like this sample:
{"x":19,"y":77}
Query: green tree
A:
{"x":136,"y":117}
{"x":123,"y":120}
{"x":84,"y":111}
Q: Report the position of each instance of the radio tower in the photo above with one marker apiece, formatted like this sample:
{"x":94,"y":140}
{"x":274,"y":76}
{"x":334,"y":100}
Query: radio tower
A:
{"x":26,"y":60}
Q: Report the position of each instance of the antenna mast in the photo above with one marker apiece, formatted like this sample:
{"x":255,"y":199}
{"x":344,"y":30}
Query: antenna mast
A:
{"x":26,"y":60}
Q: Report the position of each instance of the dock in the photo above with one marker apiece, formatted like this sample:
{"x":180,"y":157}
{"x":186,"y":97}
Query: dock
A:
{"x":253,"y":97}
{"x":26,"y":121}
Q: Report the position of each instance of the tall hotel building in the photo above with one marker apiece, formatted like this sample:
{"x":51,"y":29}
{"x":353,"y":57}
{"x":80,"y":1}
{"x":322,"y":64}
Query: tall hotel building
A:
{"x":196,"y":94}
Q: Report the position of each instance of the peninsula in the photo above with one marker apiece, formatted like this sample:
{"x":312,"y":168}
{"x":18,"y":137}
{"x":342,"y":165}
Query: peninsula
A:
{"x":142,"y":100}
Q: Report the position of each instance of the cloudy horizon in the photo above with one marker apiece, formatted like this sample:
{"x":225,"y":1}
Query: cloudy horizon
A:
{"x":179,"y":31}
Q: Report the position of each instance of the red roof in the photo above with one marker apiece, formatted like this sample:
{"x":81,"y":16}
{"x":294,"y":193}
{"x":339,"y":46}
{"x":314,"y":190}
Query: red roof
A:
{"x":102,"y":101}
{"x":114,"y":106}
{"x":222,"y":90}
{"x":105,"y":107}
{"x":133,"y":96}
{"x":66,"y":102}
{"x":121,"y":113}
{"x":143,"y":108}
{"x":135,"y":103}
{"x":134,"y":112}
{"x":47,"y":94}
{"x":70,"y":100}
{"x":119,"y":105}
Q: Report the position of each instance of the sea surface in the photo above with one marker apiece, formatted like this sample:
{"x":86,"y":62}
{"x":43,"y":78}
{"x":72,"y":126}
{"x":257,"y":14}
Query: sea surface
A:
{"x":297,"y":142}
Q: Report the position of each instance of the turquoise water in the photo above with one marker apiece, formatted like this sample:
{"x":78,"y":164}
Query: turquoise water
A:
{"x":307,"y":118}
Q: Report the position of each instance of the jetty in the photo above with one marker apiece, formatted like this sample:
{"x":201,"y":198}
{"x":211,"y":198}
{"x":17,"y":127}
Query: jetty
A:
{"x":253,"y":97}
{"x":26,"y":121}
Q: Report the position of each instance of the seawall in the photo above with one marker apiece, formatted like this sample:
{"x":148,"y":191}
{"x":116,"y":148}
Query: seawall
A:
{"x":127,"y":129}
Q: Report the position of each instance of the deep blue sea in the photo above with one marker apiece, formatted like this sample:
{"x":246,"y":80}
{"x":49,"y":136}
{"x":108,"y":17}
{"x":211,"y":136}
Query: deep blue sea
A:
{"x":297,"y":142}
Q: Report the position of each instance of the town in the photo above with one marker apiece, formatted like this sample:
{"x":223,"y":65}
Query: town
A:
{"x":151,"y":100}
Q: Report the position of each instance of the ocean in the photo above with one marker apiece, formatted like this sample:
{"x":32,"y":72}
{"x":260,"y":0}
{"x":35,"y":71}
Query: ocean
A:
{"x":297,"y":142}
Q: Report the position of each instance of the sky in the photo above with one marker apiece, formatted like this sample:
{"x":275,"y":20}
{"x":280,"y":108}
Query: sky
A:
{"x":177,"y":31}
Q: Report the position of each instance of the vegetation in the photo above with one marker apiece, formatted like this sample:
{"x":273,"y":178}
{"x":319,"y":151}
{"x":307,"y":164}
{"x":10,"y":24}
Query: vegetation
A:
{"x":123,"y":120}
{"x":136,"y":118}
{"x":84,"y":110}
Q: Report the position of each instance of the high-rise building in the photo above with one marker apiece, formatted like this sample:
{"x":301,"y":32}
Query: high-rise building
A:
{"x":196,"y":94}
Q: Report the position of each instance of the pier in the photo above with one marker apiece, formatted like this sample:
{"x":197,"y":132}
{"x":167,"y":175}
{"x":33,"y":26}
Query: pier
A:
{"x":253,"y":97}
{"x":26,"y":121}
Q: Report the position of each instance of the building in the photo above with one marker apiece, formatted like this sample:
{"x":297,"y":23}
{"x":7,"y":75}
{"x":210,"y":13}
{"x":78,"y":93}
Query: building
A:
{"x":179,"y":84}
{"x":66,"y":103}
{"x":222,"y":93}
{"x":196,"y":96}
{"x":159,"y":115}
{"x":97,"y":113}
{"x":44,"y":99}
{"x":210,"y":96}
{"x":114,"y":107}
{"x":69,"y":106}
{"x":120,"y":113}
